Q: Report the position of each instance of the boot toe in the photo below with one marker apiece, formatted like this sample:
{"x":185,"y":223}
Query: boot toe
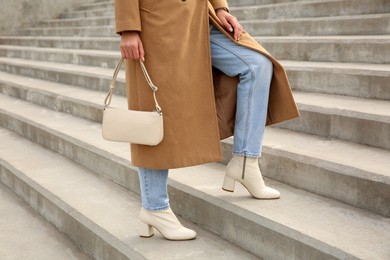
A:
{"x":267,"y":193}
{"x":182,"y":234}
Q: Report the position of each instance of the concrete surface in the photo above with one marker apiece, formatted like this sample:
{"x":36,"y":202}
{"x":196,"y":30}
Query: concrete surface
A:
{"x":320,"y":117}
{"x":17,"y":13}
{"x":24,"y":234}
{"x":112,"y":210}
{"x":196,"y":193}
{"x":335,"y":56}
{"x":343,"y":183}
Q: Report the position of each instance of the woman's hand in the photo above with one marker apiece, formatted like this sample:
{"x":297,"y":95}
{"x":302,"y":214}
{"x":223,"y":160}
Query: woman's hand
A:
{"x":131,"y":46}
{"x":230,"y":22}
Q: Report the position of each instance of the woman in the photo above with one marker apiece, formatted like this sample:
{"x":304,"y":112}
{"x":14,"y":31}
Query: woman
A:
{"x":180,"y":42}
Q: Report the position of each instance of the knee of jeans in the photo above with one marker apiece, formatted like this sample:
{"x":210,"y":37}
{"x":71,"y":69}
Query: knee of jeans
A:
{"x":263,"y":63}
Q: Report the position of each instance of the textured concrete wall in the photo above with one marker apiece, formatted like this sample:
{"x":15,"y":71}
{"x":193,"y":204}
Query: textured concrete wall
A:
{"x":18,"y":13}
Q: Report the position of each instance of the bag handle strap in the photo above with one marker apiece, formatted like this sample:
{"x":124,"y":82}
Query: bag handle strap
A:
{"x":107,"y":100}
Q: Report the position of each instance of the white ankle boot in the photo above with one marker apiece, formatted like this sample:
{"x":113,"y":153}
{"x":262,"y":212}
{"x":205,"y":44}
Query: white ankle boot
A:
{"x":246,"y":171}
{"x":166,"y":223}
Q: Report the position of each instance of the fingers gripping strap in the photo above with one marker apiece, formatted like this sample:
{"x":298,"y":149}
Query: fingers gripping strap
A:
{"x":107,"y":100}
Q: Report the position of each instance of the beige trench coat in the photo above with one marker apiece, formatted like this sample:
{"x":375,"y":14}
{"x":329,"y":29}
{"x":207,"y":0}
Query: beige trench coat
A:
{"x":198,"y":104}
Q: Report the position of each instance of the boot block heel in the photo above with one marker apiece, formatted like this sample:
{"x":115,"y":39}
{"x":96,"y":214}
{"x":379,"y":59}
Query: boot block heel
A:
{"x":146,"y":230}
{"x":228,"y":184}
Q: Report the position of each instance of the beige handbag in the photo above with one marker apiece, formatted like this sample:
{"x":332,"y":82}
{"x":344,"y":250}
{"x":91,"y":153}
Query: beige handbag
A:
{"x":137,"y":127}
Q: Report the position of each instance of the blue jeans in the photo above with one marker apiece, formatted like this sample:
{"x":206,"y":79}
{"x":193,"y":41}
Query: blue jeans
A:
{"x":154,"y":192}
{"x":255,"y":74}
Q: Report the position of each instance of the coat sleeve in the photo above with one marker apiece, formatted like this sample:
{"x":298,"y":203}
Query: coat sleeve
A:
{"x":219,"y":4}
{"x":127,"y":15}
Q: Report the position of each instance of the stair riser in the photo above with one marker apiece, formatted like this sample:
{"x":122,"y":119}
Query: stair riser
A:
{"x":97,"y":6}
{"x":356,"y":130}
{"x":81,"y":22}
{"x":101,"y":44}
{"x":340,"y":83}
{"x":330,"y":51}
{"x":88,"y":14}
{"x":81,"y":80}
{"x":257,"y":2}
{"x":108,"y":61}
{"x":299,"y":172}
{"x":93,"y":31}
{"x":54,"y":102}
{"x":196,"y":212}
{"x":85,"y":234}
{"x":351,"y":26}
{"x":313,"y":9}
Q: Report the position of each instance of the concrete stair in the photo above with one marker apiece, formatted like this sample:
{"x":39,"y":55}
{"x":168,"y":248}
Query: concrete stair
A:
{"x":332,"y":164}
{"x":18,"y":218}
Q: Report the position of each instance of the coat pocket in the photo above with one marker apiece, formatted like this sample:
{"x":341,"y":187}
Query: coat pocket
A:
{"x":147,"y":5}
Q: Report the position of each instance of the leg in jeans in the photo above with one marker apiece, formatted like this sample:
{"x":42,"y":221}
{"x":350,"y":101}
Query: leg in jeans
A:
{"x":255,"y":73}
{"x":155,"y":212}
{"x":153,"y":185}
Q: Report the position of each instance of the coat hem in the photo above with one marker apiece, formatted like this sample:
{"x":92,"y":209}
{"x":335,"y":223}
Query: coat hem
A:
{"x":175,"y":166}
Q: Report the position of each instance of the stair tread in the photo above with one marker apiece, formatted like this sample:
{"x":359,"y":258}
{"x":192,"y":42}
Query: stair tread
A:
{"x":369,"y":160}
{"x":90,"y":194}
{"x":77,"y":69}
{"x":299,"y":214}
{"x":369,"y":109}
{"x":97,"y":9}
{"x":321,"y":18}
{"x":101,"y":53}
{"x":365,"y":68}
{"x":81,"y":18}
{"x":40,"y":240}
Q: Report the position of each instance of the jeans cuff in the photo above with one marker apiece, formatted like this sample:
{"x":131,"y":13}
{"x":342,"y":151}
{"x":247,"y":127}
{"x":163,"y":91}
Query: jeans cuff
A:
{"x":247,"y":154}
{"x":157,"y":208}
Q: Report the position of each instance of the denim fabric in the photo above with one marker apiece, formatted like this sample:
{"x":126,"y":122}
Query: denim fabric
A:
{"x":153,"y":185}
{"x":255,"y":73}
